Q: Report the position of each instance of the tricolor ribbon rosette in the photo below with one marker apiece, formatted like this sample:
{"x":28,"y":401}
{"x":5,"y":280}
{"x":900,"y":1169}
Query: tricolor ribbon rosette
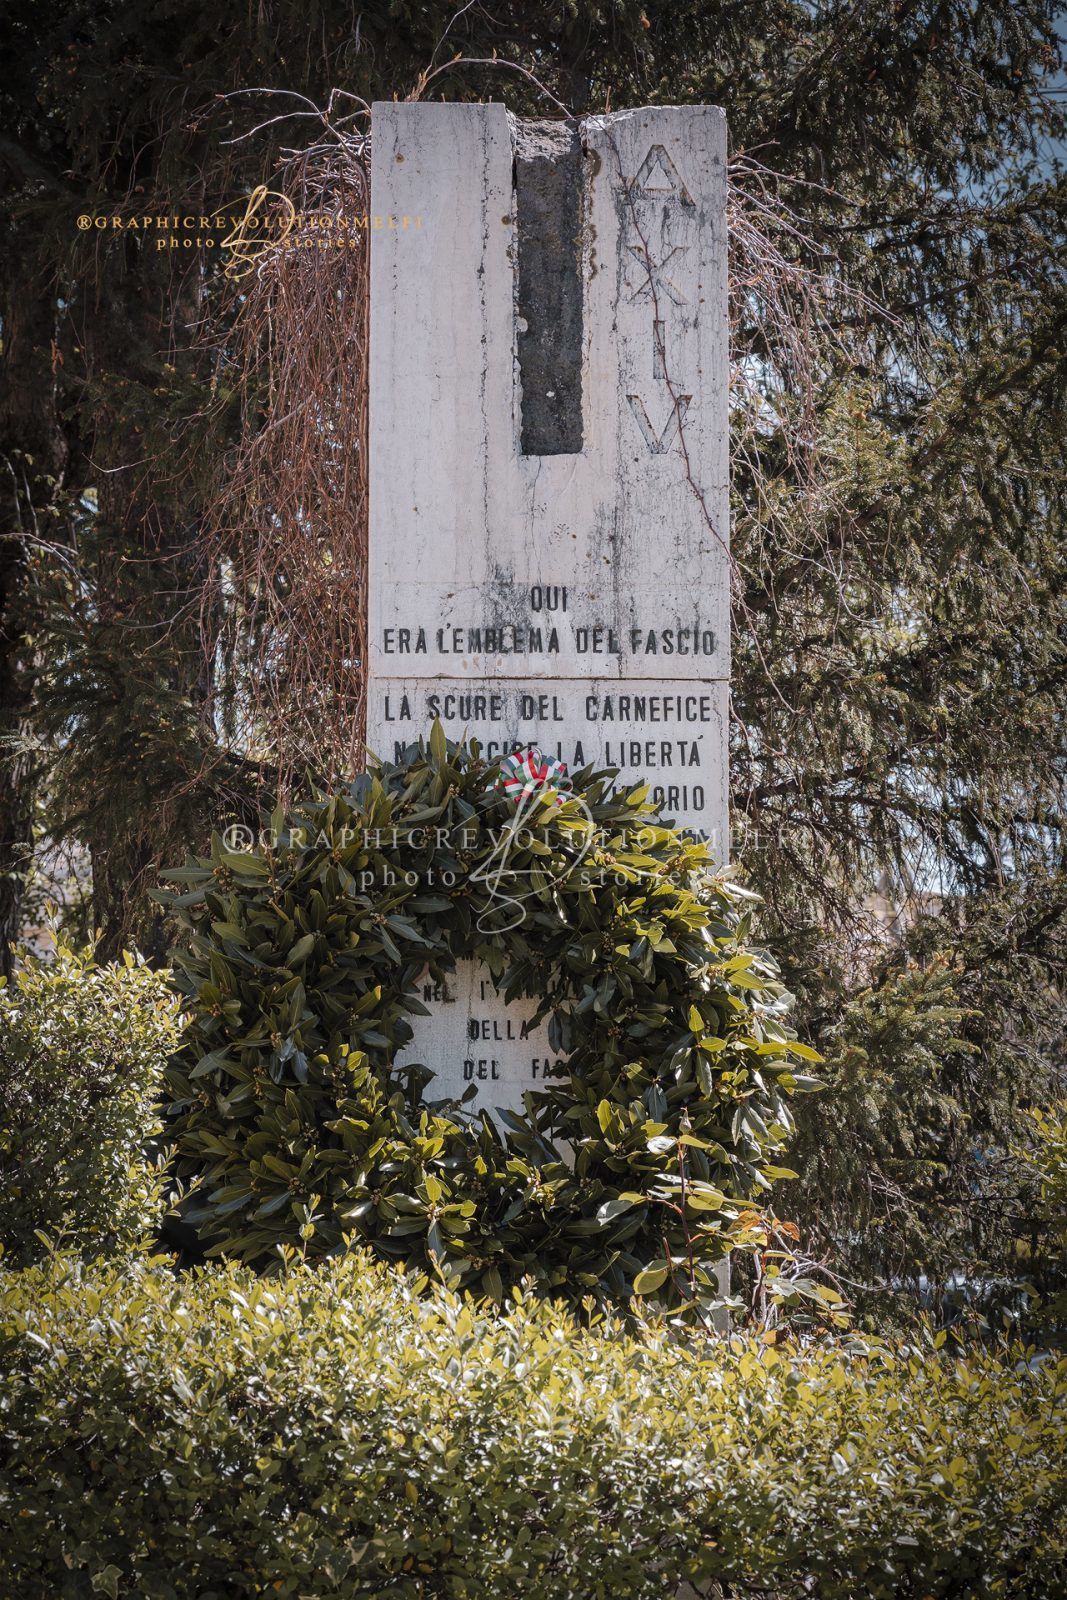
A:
{"x":528,"y":778}
{"x":527,"y":775}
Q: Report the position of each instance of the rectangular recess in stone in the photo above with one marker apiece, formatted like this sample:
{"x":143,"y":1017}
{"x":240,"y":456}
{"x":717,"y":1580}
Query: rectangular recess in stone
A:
{"x":548,"y":220}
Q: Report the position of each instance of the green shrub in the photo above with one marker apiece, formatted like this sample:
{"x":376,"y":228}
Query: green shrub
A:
{"x":1046,"y":1160}
{"x":341,"y":1431}
{"x":1049,"y":1160}
{"x":301,"y":974}
{"x":82,"y":1053}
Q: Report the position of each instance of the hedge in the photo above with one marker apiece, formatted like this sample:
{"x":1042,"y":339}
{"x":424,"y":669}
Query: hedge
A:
{"x":82,"y":1053}
{"x":344,"y":1430}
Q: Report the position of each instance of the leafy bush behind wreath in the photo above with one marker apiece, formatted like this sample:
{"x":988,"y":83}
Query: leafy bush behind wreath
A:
{"x":1047,"y":1160}
{"x":346,"y":1431}
{"x":82,"y":1053}
{"x":301,"y":976}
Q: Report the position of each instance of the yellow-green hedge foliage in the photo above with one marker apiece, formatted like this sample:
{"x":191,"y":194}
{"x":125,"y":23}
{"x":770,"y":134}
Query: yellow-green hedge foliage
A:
{"x":340,"y":1431}
{"x":82,"y":1053}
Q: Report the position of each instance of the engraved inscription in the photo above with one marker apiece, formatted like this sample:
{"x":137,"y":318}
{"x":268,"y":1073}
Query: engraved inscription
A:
{"x":658,"y":175}
{"x":655,"y":274}
{"x":659,"y":442}
{"x":477,"y":1046}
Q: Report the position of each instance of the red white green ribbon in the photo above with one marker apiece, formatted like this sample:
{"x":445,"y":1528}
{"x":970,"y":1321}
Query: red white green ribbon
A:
{"x":527,"y":774}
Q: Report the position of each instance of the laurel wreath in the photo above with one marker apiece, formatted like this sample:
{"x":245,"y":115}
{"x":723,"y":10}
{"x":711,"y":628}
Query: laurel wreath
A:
{"x":295,"y":1127}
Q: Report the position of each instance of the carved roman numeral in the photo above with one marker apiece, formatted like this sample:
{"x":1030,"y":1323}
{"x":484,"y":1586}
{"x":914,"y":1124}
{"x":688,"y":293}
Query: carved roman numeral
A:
{"x":658,"y":175}
{"x":659,"y":443}
{"x":659,"y":351}
{"x":654,"y":274}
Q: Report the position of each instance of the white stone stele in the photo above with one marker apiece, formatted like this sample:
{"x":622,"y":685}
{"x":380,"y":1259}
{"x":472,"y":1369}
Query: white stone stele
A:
{"x":470,"y":536}
{"x":516,"y":596}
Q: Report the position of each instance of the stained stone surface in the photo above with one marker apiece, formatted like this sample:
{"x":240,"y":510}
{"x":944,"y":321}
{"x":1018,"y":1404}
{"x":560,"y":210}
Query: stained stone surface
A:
{"x":549,"y":518}
{"x":548,"y":220}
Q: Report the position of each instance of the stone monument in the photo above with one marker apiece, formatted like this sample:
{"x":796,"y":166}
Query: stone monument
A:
{"x":549,"y":517}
